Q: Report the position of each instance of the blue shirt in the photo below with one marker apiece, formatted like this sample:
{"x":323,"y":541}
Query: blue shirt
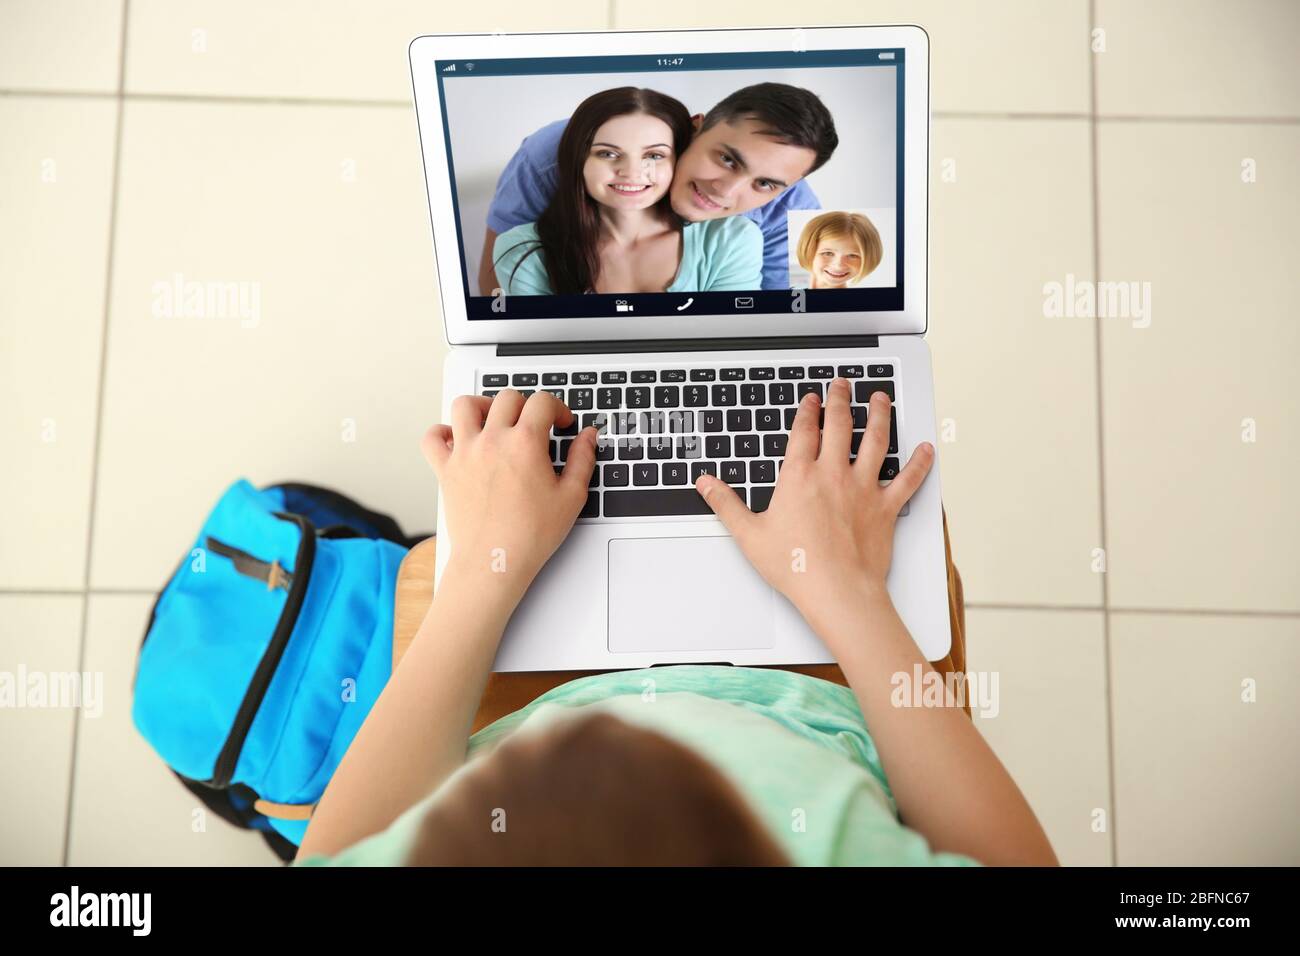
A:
{"x":718,"y":255}
{"x":526,"y":185}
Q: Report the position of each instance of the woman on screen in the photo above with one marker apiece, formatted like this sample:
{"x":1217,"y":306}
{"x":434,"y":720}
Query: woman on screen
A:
{"x":609,"y":227}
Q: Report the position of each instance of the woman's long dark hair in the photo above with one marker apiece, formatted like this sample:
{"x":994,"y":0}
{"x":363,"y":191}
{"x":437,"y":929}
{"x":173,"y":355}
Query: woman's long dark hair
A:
{"x":569,"y":228}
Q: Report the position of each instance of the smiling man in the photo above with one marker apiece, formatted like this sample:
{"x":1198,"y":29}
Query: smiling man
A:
{"x":749,"y":156}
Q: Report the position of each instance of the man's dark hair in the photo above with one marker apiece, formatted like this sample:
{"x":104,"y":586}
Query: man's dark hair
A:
{"x":790,"y":114}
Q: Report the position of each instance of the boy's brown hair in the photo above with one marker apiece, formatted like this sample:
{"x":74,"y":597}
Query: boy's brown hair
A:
{"x":853,"y":225}
{"x":593,"y":791}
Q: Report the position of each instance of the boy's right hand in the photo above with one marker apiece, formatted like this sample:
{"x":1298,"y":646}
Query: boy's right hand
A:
{"x":827,"y":536}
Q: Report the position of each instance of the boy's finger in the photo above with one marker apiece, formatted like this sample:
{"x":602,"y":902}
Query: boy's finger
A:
{"x":901,"y":489}
{"x":875,"y":441}
{"x":505,"y":408}
{"x":582,"y":458}
{"x":804,"y":433}
{"x":436,"y":445}
{"x":726,"y":504}
{"x":837,"y":430}
{"x":542,"y":412}
{"x":467,"y":415}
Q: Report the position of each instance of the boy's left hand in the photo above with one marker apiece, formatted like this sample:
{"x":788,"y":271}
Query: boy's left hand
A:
{"x":506,"y":509}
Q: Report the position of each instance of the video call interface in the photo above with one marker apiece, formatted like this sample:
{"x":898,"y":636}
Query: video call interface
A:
{"x":653,"y":185}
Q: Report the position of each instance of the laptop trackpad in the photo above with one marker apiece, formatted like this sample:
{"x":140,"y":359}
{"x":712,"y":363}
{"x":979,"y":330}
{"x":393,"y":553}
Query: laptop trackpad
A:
{"x":686,"y":594}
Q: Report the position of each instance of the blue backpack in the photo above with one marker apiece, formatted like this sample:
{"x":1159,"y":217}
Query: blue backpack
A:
{"x":266,"y":650}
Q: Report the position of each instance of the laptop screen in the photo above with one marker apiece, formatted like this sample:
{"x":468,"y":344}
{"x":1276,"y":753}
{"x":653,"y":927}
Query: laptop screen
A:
{"x":644,"y":185}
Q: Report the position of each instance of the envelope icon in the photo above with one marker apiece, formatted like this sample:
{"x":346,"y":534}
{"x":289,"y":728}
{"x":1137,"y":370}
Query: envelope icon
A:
{"x":744,"y":301}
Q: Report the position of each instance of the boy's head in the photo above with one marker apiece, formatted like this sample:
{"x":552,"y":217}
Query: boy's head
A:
{"x":757,"y":142}
{"x":591,"y":791}
{"x":839,"y":249}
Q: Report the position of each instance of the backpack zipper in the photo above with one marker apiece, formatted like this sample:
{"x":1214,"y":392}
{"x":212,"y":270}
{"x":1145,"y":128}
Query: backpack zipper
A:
{"x":273,"y":575}
{"x":295,"y":583}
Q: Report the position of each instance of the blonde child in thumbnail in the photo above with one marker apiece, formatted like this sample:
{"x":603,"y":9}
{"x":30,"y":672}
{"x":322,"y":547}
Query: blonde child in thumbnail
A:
{"x":839,"y":249}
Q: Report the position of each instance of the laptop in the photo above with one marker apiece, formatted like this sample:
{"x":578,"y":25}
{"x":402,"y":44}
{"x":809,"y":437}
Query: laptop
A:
{"x":793,"y":210}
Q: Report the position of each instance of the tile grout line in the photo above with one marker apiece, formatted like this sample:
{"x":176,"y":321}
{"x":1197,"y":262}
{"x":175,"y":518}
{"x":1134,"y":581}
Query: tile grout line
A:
{"x":99,"y":417}
{"x":270,"y":100}
{"x":1101,"y":441}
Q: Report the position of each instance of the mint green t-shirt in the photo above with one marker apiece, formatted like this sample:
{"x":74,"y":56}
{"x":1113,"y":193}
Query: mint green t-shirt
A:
{"x":795,"y":747}
{"x":719,"y":255}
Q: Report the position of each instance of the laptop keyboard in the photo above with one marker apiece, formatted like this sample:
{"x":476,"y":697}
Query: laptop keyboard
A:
{"x":660,"y":427}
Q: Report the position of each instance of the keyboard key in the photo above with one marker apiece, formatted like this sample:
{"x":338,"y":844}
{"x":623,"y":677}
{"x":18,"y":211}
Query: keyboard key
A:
{"x":752,"y":393}
{"x":646,"y":473}
{"x":597,"y":420}
{"x":703,"y":375}
{"x":762,"y":374}
{"x":495,"y":381}
{"x":862,"y":391}
{"x":850,"y":371}
{"x":674,"y":473}
{"x":557,"y":392}
{"x":616,"y":476}
{"x":490,"y":393}
{"x":653,"y":423}
{"x":564,"y":449}
{"x":717,"y":446}
{"x":881,"y":371}
{"x":791,"y":372}
{"x":889,"y":469}
{"x":746,"y":446}
{"x":760,"y":498}
{"x":527,"y":393}
{"x":762,"y":472}
{"x":609,"y":397}
{"x":638,"y":397}
{"x":732,"y":472}
{"x":555,"y":451}
{"x":659,"y":447}
{"x":893,"y":427}
{"x":584,"y":378}
{"x":655,"y":501}
{"x":594,"y":480}
{"x":724,"y":395}
{"x":774,"y":445}
{"x":667,"y":396}
{"x":555,"y":378}
{"x":703,"y":468}
{"x":569,"y":429}
{"x":523,"y":378}
{"x":688,"y":446}
{"x":613,"y":378}
{"x":780,"y":393}
{"x":767,"y":419}
{"x":681,"y":423}
{"x":673,"y":375}
{"x":592,"y":508}
{"x":580,"y":398}
{"x":789,"y":414}
{"x":643,"y":375}
{"x":805,"y":388}
{"x":740,"y":420}
{"x":710,"y":420}
{"x":860,"y":416}
{"x":695,"y":396}
{"x":631,"y":449}
{"x":732,"y":375}
{"x":604,"y":449}
{"x":624,"y":423}
{"x":821,"y":371}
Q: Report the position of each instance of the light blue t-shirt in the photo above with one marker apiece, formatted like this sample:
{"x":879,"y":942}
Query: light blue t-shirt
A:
{"x":795,"y":748}
{"x":719,"y":255}
{"x":528,"y":182}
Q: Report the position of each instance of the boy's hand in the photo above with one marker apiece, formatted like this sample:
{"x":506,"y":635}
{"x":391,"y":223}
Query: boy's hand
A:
{"x":827,"y":537}
{"x":507,"y":511}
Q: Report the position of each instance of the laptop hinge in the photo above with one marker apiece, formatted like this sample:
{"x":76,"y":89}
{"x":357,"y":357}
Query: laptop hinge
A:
{"x":764,"y":342}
